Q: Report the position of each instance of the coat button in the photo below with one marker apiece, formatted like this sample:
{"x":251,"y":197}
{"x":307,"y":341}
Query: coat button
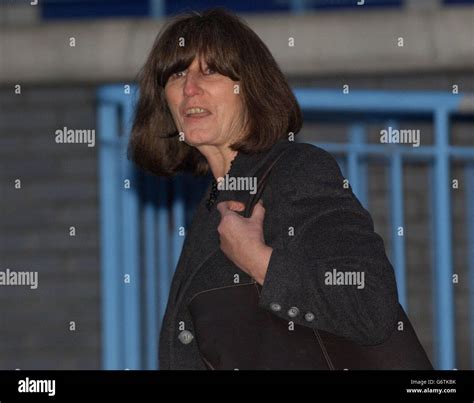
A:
{"x":185,"y":337}
{"x":293,"y":312}
{"x":309,"y":316}
{"x":275,"y":307}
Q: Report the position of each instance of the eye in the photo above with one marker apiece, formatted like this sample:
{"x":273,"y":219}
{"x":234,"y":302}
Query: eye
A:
{"x":210,"y":71}
{"x":178,"y":74}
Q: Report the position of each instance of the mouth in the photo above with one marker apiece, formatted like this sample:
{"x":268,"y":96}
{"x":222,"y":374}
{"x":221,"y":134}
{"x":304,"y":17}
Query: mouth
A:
{"x":196,"y":114}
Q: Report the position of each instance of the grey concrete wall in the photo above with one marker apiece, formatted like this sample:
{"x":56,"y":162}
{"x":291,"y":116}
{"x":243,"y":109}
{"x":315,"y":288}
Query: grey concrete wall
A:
{"x":58,"y":190}
{"x":329,"y":42}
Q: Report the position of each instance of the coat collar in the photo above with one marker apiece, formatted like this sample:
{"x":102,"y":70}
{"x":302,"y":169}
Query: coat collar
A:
{"x":248,"y":164}
{"x":246,"y":168}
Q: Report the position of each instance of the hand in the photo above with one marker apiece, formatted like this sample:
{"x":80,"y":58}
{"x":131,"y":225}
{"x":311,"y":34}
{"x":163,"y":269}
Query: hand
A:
{"x":242,"y":240}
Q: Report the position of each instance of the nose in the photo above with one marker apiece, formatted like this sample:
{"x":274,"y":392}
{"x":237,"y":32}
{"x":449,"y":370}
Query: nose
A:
{"x":192,"y":84}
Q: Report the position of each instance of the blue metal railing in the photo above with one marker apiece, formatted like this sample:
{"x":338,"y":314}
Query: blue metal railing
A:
{"x":440,"y":106}
{"x":136,"y":307}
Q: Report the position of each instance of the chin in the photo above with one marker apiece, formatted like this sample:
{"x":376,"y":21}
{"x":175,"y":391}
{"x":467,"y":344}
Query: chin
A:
{"x":199,"y":139}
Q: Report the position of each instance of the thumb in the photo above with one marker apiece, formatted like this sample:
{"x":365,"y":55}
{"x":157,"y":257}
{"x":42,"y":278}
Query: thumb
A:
{"x":258,"y":212}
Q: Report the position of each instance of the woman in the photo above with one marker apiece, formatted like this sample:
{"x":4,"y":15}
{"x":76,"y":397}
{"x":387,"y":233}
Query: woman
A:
{"x":213,"y":99}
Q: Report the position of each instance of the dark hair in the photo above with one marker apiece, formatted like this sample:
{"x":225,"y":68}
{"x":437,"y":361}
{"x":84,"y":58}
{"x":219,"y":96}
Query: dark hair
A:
{"x":231,"y":48}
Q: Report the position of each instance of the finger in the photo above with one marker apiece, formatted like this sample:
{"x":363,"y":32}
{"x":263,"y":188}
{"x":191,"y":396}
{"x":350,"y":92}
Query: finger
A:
{"x":235,"y":205}
{"x":227,"y":208}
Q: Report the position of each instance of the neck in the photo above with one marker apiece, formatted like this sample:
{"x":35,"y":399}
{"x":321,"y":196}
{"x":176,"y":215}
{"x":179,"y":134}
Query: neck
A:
{"x":219,"y":159}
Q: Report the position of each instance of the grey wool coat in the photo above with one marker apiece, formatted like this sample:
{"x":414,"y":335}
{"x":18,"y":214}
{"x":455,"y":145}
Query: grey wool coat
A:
{"x":315,"y":226}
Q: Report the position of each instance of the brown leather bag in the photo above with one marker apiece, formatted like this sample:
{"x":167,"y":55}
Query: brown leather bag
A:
{"x":233,"y":332}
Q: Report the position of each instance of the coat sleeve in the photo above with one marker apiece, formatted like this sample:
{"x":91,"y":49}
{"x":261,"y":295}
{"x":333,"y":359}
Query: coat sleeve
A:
{"x":333,"y":234}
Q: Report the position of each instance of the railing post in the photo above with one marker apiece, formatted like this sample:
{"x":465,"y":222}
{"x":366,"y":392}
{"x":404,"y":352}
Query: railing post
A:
{"x":357,"y":171}
{"x":443,"y":285}
{"x":164,"y":273}
{"x":298,"y":6}
{"x":111,"y":279}
{"x":469,"y":175}
{"x":131,"y":253}
{"x":397,"y":218}
{"x":151,"y":285}
{"x":157,"y":8}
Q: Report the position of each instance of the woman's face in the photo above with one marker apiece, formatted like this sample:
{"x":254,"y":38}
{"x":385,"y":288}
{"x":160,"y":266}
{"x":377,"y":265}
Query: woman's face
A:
{"x":221,"y":121}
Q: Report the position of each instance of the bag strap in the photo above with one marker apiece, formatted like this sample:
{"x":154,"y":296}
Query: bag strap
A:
{"x":267,"y":167}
